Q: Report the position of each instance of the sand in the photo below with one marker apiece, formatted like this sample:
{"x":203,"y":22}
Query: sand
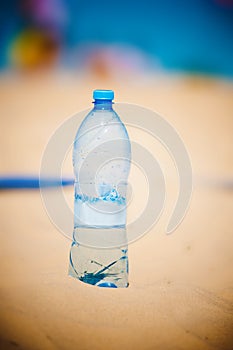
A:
{"x":181,"y":286}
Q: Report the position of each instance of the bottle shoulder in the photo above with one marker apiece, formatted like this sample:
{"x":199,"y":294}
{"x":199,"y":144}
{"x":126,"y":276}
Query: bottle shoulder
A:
{"x":101,"y":134}
{"x":107,"y":119}
{"x":97,"y":117}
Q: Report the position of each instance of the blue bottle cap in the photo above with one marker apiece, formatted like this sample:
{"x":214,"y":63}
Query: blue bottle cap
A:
{"x":103,"y":95}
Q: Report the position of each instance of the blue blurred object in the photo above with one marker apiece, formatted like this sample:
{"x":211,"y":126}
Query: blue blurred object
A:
{"x":30,"y":182}
{"x":194,"y":36}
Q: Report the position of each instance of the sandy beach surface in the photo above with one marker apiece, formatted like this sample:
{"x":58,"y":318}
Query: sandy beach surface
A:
{"x":181,"y":285}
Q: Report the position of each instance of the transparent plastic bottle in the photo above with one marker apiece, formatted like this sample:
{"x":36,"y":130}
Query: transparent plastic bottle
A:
{"x":101,"y":161}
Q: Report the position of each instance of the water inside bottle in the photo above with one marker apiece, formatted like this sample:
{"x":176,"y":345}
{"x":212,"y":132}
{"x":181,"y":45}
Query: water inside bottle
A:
{"x":106,"y":210}
{"x":99,"y":250}
{"x":96,"y":266}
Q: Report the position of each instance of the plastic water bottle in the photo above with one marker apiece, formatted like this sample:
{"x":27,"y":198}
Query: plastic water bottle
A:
{"x":101,"y":161}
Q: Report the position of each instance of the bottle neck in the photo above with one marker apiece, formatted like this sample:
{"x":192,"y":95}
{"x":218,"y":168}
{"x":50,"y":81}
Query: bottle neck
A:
{"x":103,"y":104}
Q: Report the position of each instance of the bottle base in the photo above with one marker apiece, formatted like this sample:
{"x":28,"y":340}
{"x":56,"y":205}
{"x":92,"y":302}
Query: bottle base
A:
{"x":101,"y":284}
{"x":99,"y":267}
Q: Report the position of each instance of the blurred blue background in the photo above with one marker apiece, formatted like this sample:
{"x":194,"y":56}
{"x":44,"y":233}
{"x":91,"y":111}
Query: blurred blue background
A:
{"x":194,"y":36}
